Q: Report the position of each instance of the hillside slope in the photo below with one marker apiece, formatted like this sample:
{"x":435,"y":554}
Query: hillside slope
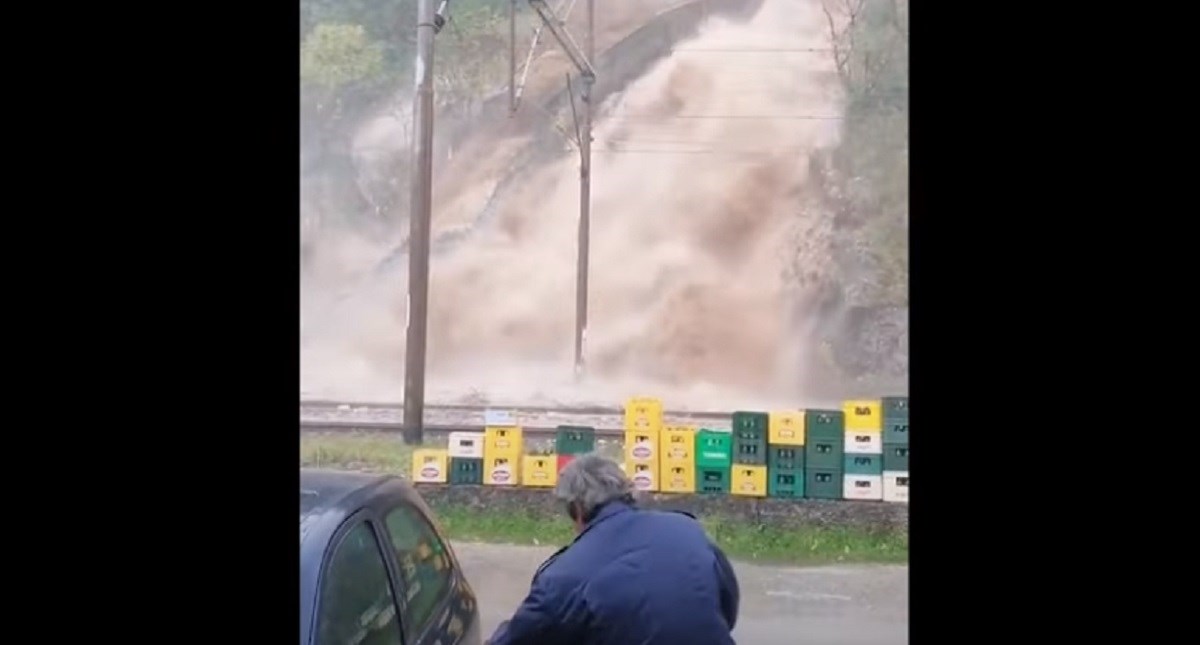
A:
{"x":702,"y":170}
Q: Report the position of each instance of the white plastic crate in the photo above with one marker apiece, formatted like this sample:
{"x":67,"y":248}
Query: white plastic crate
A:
{"x":862,"y":487}
{"x":895,"y":486}
{"x":466,"y":444}
{"x":859,"y":442}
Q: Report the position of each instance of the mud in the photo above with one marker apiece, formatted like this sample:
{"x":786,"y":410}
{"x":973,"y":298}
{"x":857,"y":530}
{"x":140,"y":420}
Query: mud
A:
{"x":697,"y":167}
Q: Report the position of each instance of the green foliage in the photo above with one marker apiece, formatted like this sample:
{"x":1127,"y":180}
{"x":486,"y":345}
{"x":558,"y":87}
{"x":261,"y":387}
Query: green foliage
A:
{"x":372,"y":452}
{"x":806,"y":544}
{"x":786,"y":544}
{"x":870,"y":40}
{"x":334,"y":56}
{"x":392,"y":25}
{"x":355,"y":52}
{"x":471,"y":61}
{"x":358,"y":54}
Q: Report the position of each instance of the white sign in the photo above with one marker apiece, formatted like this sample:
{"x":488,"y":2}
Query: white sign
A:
{"x":494,"y":418}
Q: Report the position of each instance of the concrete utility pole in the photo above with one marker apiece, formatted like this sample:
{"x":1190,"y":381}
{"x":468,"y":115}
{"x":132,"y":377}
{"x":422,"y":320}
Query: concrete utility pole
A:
{"x":512,"y":56}
{"x":585,"y":200}
{"x":582,"y":61}
{"x":429,"y":23}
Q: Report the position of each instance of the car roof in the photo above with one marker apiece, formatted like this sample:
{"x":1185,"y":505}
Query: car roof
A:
{"x":327,"y":493}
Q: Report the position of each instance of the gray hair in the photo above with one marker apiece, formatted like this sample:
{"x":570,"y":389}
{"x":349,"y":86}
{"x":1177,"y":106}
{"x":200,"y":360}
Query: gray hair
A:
{"x":592,"y":481}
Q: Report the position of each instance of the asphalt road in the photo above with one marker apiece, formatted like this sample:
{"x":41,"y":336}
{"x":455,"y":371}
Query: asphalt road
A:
{"x":840,"y":605}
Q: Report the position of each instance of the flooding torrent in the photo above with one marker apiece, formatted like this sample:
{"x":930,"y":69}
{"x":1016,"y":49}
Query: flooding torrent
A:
{"x":698,"y":171}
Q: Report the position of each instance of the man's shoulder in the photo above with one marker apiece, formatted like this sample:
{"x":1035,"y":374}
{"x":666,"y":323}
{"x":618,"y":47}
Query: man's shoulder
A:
{"x":669,"y":514}
{"x":668,"y":524}
{"x":550,"y":560}
{"x":676,"y":524}
{"x":680,"y":512}
{"x":569,"y":566}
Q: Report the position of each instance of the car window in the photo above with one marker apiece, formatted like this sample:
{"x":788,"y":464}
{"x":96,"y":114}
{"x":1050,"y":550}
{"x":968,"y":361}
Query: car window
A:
{"x":424,"y":565}
{"x":357,"y":606}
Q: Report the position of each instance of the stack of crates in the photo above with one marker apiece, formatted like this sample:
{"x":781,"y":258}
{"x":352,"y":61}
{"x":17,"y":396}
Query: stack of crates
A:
{"x":572,"y":441}
{"x":677,"y":459}
{"x":864,"y":450}
{"x":502,"y":453}
{"x":714,"y":456}
{"x":749,"y":468}
{"x":466,"y":457}
{"x":824,"y":448}
{"x":895,"y":449}
{"x":429,"y":466}
{"x":643,"y":428}
{"x":785,"y":454}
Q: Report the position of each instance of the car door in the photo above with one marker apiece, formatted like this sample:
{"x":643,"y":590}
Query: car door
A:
{"x":434,"y":612}
{"x":355,"y":601}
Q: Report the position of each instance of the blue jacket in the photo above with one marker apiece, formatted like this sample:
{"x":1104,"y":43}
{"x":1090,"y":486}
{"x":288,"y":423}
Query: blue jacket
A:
{"x":632,"y":577}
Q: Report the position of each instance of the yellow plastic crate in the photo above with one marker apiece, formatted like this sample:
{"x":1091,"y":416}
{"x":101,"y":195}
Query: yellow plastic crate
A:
{"x":644,"y":414}
{"x":641,"y":447}
{"x":786,"y":428}
{"x":430,"y":466}
{"x":748,"y":481}
{"x":644,"y":475}
{"x":864,"y":415}
{"x":503,"y":441}
{"x":678,"y":478}
{"x":501,"y":471}
{"x":677,"y":444}
{"x":539,"y":470}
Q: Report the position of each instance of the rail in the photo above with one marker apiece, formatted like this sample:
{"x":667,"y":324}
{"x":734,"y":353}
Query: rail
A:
{"x":397,"y":427}
{"x":518,"y":410}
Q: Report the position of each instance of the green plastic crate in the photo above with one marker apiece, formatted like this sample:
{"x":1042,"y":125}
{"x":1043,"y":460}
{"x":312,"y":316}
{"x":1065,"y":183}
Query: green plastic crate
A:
{"x":860,"y":464}
{"x":752,"y":452}
{"x":895,"y":456}
{"x":895,"y":431}
{"x":712,"y":481}
{"x":824,"y":424}
{"x":895,"y":408}
{"x":574,"y":440}
{"x":788,"y":484}
{"x":750,"y":425}
{"x":785,"y":458}
{"x":714,"y":449}
{"x":824,"y":453}
{"x":823,"y":483}
{"x":466,"y":470}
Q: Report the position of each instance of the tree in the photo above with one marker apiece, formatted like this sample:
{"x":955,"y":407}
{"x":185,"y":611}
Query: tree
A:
{"x":469,"y":65}
{"x":335,"y":56}
{"x":869,"y":39}
{"x":357,"y":61}
{"x":863,"y":188}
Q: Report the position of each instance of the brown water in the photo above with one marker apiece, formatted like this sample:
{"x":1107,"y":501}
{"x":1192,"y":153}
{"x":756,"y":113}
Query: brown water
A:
{"x":698,"y":171}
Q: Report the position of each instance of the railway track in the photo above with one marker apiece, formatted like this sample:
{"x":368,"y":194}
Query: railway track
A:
{"x":535,"y":420}
{"x":320,"y":407}
{"x":397,"y":427}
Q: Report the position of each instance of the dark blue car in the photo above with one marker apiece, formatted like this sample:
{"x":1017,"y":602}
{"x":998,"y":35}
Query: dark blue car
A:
{"x":375,"y":569}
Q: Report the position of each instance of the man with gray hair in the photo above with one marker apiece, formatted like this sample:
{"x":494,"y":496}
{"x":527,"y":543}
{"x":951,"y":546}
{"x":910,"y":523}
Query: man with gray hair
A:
{"x":631,"y":577}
